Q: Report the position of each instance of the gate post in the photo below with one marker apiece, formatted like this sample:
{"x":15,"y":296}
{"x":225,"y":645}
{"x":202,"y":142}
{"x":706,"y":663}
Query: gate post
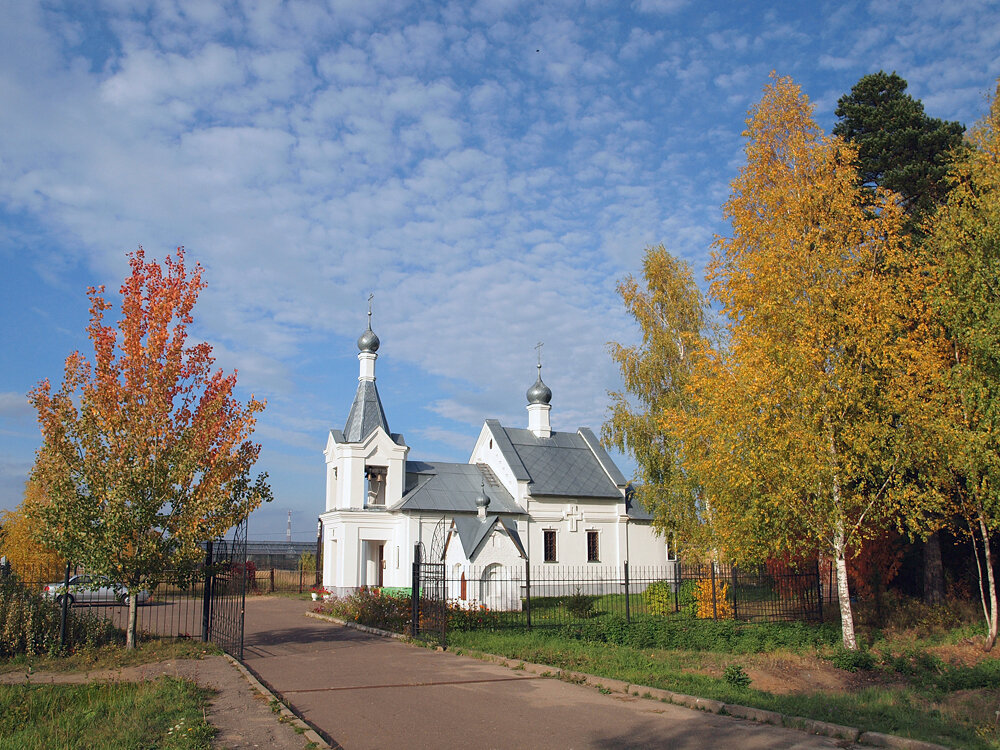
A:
{"x":415,"y":593}
{"x":733,"y":569}
{"x":628,"y":611}
{"x":527,"y":590}
{"x":64,"y":610}
{"x":819,"y":591}
{"x":319,"y":553}
{"x":206,"y":603}
{"x":715,"y":609}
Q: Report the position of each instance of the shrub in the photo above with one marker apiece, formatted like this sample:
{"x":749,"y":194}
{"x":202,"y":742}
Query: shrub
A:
{"x":852,"y":661}
{"x":29,"y":623}
{"x":687,"y":600}
{"x":367,"y":606}
{"x":659,"y":598}
{"x":474,"y":617}
{"x":736,"y":677}
{"x":713,"y":606}
{"x":580,"y":605}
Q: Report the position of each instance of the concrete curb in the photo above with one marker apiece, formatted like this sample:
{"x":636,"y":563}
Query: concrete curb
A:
{"x":608,"y":685}
{"x":308,"y":732}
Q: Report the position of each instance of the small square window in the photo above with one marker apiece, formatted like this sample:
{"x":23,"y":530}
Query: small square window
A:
{"x":593,"y":551}
{"x":549,"y":538}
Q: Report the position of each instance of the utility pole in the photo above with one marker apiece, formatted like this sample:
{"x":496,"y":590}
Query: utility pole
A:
{"x":288,"y":530}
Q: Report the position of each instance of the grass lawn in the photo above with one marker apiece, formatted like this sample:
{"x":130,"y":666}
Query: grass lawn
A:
{"x":166,"y":713}
{"x":937,"y":688}
{"x":112,"y":657}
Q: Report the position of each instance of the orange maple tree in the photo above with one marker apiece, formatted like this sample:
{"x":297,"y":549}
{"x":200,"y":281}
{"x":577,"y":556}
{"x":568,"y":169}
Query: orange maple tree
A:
{"x":146,"y":452}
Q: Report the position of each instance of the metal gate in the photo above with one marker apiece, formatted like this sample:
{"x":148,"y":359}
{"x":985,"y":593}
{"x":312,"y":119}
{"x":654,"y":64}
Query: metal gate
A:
{"x":225,"y":591}
{"x":429,"y":602}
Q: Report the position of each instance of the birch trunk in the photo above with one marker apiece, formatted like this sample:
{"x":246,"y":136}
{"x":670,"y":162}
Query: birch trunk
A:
{"x":843,"y":591}
{"x":992,"y":620}
{"x":133,"y":607}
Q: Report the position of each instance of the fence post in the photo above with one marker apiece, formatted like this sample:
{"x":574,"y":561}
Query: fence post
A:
{"x":415,"y":593}
{"x":64,"y":610}
{"x":678,"y":582}
{"x":734,"y":575}
{"x":628,"y":611}
{"x":527,"y":590}
{"x":206,"y":604}
{"x":319,"y":553}
{"x":272,"y":582}
{"x":715,"y":610}
{"x":301,"y":571}
{"x":819,"y":591}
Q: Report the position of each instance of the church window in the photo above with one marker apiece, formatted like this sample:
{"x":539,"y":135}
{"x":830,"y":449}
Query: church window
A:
{"x":593,"y":551}
{"x":549,"y":539}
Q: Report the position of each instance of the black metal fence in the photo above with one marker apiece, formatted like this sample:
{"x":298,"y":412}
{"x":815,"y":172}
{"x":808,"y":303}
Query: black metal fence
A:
{"x":537,"y":596}
{"x":206,"y":604}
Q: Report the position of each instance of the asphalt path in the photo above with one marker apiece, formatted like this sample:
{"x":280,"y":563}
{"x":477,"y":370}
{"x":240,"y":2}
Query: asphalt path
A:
{"x":366,"y":691}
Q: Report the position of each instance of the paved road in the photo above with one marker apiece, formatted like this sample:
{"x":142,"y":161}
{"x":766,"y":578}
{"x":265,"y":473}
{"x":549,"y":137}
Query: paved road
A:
{"x":365,"y":691}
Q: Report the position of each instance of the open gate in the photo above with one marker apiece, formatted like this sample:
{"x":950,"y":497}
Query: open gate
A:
{"x":225,"y":591}
{"x":430,"y":596}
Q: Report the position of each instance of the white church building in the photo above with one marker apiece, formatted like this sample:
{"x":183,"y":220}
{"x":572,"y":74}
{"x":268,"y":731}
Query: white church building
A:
{"x":526,"y":494}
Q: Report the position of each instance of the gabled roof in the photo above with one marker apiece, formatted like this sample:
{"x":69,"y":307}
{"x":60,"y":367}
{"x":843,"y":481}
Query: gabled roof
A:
{"x":570,"y":464}
{"x":366,"y":413}
{"x":453,"y":487}
{"x":473,"y":531}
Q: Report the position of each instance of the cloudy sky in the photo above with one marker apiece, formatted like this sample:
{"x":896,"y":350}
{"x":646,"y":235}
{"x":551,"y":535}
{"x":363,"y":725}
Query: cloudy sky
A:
{"x":488,"y":170}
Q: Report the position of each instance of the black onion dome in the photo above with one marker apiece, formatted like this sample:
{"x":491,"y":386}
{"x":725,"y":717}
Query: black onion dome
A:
{"x":539,"y":393}
{"x":368,"y":341}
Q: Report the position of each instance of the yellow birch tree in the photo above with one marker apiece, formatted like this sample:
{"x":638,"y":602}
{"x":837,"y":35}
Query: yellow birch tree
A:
{"x":964,"y":244}
{"x":657,"y":375}
{"x":803,"y":418}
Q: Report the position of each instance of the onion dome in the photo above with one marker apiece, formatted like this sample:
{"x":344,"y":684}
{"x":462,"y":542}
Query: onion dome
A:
{"x":483,"y":500}
{"x":368,"y":341}
{"x":539,"y":393}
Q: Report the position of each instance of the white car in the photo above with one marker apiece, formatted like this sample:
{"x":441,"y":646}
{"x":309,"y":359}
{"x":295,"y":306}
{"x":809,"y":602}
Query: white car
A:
{"x":86,"y":589}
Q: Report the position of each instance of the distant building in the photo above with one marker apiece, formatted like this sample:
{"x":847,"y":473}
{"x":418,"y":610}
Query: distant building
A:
{"x":554,"y":498}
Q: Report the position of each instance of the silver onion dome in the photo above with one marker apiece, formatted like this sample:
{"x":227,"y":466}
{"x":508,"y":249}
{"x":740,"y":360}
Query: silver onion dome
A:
{"x":483,"y":500}
{"x":539,"y":393}
{"x":368,"y":341}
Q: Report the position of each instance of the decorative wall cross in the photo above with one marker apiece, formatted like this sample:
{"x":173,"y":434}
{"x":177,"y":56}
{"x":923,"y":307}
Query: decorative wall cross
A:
{"x":574,"y":514}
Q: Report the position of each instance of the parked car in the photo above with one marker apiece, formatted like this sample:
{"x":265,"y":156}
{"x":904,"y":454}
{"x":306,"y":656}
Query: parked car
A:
{"x":86,"y":589}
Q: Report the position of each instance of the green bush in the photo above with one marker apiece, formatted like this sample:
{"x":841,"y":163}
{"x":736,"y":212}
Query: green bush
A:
{"x":659,"y":597}
{"x":580,"y":605}
{"x":368,"y":606}
{"x":736,"y":676}
{"x":687,"y":598}
{"x":29,"y":623}
{"x":722,"y":636}
{"x":852,"y":661}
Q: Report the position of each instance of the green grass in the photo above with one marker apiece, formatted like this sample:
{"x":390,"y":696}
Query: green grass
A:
{"x":923,"y":705}
{"x":112,"y":657}
{"x":167,"y":713}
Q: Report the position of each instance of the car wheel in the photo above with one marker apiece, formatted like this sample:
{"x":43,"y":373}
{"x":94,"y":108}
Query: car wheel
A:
{"x":123,"y":598}
{"x":69,"y":599}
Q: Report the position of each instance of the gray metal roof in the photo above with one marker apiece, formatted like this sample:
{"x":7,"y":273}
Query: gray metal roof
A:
{"x":366,"y":413}
{"x":473,"y":531}
{"x":602,"y":455}
{"x":453,"y":487}
{"x":634,"y":509}
{"x":564,"y":464}
{"x":507,"y":450}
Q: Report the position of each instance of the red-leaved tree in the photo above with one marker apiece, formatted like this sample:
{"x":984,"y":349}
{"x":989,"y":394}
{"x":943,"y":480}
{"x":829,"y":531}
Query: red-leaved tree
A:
{"x":145,"y":451}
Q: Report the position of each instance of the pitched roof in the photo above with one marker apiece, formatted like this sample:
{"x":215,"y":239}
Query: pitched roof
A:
{"x":453,"y":487}
{"x":473,"y":531}
{"x":570,"y":464}
{"x":366,"y":413}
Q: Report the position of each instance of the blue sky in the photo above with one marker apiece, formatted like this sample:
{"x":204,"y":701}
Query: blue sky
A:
{"x":489,"y":170}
